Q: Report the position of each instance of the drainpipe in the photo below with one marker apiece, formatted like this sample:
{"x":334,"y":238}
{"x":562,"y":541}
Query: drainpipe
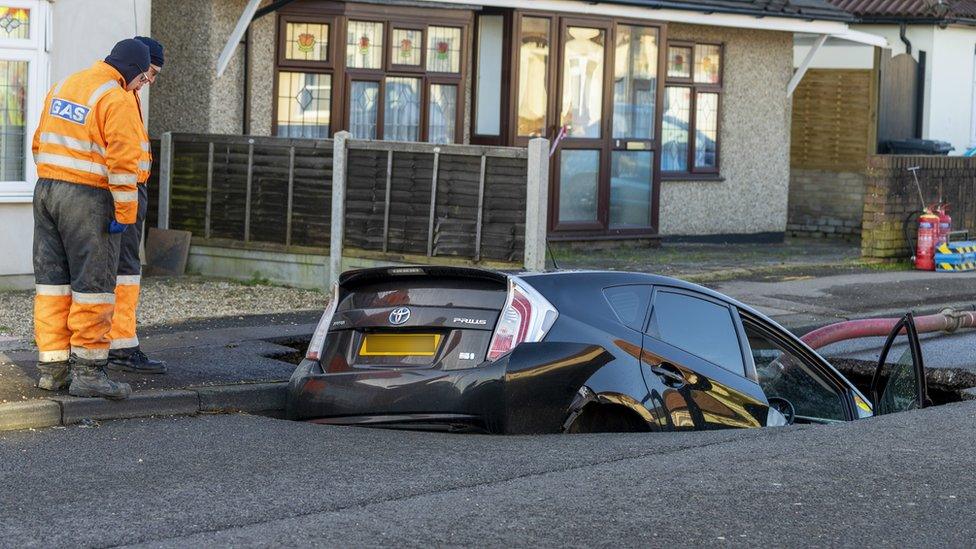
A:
{"x":246,"y":118}
{"x":901,"y":34}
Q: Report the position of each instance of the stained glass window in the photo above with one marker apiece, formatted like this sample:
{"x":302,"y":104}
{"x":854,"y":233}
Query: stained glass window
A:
{"x":443,"y":49}
{"x":13,"y":87}
{"x":533,"y":90}
{"x":307,"y":41}
{"x":304,"y":104}
{"x":401,"y":111}
{"x":14,"y":22}
{"x":364,"y":45}
{"x":674,"y":130}
{"x":406,"y":47}
{"x":707,"y":64}
{"x":363,"y":101}
{"x":442,"y":113}
{"x":706,"y":129}
{"x":679,"y":62}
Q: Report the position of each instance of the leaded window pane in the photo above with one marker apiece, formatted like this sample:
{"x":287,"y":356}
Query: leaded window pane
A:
{"x":442,"y":113}
{"x":363,"y":100}
{"x":14,"y":22}
{"x":706,"y":130}
{"x":707,"y":69}
{"x":364,"y":45}
{"x":444,"y":49}
{"x":307,"y":41}
{"x":674,"y":130}
{"x":401,"y":113}
{"x":13,"y":87}
{"x":679,"y":62}
{"x":406,"y":47}
{"x":304,"y":104}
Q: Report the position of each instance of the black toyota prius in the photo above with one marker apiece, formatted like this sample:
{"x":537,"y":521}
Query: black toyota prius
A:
{"x":577,"y":351}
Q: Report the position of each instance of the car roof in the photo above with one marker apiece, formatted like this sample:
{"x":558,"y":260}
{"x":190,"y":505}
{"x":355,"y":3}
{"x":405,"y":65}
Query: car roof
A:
{"x":630,"y":277}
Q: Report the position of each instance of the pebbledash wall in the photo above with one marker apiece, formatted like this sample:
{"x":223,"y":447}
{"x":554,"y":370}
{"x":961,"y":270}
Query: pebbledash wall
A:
{"x":891,"y":197}
{"x":754,"y":136}
{"x":754,"y":127}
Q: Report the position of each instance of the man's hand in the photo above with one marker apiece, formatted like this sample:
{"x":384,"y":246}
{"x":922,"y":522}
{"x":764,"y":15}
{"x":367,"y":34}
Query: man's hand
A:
{"x":114,"y":227}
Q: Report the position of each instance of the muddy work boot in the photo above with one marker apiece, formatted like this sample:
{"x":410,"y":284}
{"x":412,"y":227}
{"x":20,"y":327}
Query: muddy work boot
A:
{"x":134,"y":360}
{"x":55,"y":376}
{"x":88,"y":379}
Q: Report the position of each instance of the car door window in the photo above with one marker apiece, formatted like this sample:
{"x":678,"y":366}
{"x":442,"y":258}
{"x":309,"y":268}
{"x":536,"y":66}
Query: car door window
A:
{"x":629,"y":303}
{"x":699,"y":326}
{"x":782,"y":374}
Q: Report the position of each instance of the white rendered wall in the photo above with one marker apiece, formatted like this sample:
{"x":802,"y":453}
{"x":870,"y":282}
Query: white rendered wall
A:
{"x":949,"y":94}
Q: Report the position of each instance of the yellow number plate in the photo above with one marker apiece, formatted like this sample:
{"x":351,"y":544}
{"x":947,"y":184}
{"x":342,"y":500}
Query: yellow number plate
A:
{"x":400,"y":345}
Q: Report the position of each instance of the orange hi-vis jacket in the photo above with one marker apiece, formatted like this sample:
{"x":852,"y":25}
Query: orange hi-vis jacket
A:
{"x":91,"y":133}
{"x":145,"y":161}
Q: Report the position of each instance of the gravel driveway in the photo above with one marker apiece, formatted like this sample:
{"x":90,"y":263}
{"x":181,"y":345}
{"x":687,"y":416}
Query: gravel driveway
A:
{"x":168,"y":300}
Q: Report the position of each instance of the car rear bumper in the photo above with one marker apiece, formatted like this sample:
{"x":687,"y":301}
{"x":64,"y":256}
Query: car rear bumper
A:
{"x":528,"y":391}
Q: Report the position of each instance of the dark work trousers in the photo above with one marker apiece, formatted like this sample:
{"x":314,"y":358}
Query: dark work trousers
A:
{"x":123,"y":334}
{"x":75,"y":261}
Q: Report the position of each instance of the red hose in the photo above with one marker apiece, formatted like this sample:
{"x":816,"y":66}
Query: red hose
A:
{"x":948,"y":320}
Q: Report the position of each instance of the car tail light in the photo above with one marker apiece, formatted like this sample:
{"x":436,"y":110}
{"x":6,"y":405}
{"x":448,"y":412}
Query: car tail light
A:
{"x":526,"y":318}
{"x":314,"y":351}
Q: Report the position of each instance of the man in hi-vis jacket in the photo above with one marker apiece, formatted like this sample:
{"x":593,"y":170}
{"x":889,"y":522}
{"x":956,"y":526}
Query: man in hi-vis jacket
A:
{"x":87,"y":148}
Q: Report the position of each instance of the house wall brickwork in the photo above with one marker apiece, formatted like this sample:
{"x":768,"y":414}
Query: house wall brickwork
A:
{"x":825,"y":203}
{"x":891,"y":196}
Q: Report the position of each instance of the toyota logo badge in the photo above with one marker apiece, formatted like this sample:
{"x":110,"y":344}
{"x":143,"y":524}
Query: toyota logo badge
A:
{"x":399,"y":316}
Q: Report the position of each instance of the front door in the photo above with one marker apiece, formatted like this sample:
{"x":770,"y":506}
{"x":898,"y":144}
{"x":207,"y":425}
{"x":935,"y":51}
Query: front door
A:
{"x":604,"y":175}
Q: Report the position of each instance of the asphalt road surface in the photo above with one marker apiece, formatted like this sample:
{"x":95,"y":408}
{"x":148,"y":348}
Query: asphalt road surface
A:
{"x":901,"y":480}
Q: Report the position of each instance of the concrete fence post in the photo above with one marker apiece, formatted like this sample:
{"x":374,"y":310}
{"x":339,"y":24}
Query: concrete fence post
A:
{"x":339,"y":164}
{"x":165,"y":178}
{"x":536,"y":205}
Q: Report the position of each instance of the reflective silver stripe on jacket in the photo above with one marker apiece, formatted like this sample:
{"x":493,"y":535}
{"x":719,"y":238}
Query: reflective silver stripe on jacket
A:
{"x":127,"y":280}
{"x":145,"y":165}
{"x":125,"y":196}
{"x":72,"y":143}
{"x":100,"y":91}
{"x":92,"y":299}
{"x":122,"y":179}
{"x":72,"y":163}
{"x":52,"y":289}
{"x":144,"y":145}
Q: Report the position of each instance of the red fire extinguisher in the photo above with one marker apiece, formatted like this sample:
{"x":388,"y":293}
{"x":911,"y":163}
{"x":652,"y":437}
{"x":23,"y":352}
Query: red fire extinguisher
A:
{"x":945,"y":224}
{"x":928,"y":230}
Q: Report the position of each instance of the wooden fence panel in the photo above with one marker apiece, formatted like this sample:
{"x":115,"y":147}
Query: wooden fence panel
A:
{"x":833,"y":120}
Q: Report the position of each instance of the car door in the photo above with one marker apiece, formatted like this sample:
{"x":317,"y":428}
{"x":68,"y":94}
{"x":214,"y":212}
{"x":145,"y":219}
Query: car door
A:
{"x":693,"y":365}
{"x":899,"y":380}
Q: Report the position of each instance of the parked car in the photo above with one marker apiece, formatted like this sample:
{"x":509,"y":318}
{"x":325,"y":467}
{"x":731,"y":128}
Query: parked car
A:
{"x":461,"y":348}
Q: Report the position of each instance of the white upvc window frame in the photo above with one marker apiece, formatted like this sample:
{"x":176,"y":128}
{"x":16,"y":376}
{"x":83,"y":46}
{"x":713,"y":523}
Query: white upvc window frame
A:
{"x":33,"y":50}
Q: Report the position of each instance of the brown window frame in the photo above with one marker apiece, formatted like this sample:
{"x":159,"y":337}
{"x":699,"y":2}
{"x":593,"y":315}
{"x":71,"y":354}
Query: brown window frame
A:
{"x":337,"y":15}
{"x":502,"y":138}
{"x":693,"y":172}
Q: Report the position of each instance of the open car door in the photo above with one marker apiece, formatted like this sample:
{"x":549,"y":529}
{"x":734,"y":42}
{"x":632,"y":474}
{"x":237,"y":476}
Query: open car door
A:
{"x":899,"y":382}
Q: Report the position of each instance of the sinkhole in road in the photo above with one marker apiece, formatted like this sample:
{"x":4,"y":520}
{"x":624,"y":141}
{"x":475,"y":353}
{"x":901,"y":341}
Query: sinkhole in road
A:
{"x":945,"y":385}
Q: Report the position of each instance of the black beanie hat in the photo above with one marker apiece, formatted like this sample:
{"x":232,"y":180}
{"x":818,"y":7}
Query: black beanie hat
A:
{"x":130,"y":57}
{"x":155,"y":50}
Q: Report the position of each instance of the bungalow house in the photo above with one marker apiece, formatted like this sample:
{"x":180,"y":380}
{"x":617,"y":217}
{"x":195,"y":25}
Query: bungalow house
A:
{"x":669,"y":118}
